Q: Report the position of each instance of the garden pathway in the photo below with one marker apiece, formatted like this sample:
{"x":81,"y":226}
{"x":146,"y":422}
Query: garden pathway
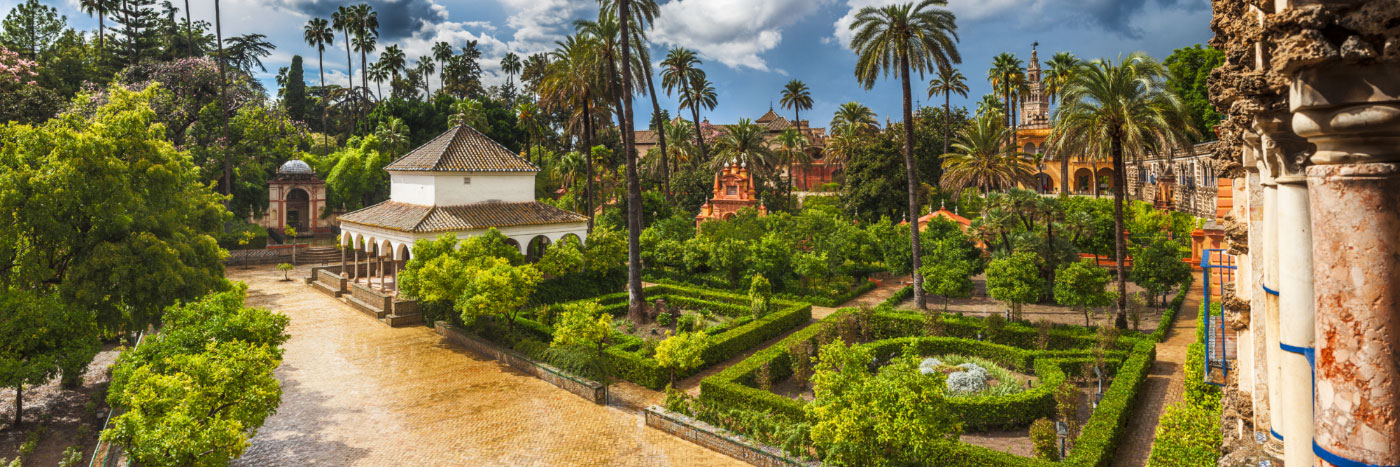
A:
{"x":1164,"y":385}
{"x":357,"y":392}
{"x":873,"y":297}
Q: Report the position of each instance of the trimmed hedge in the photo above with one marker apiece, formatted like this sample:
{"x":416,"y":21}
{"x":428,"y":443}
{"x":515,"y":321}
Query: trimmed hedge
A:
{"x":680,"y":280}
{"x":627,"y":364}
{"x":1189,"y":433}
{"x":1098,"y":440}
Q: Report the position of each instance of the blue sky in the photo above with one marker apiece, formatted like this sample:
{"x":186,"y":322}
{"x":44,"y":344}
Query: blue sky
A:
{"x":750,"y":47}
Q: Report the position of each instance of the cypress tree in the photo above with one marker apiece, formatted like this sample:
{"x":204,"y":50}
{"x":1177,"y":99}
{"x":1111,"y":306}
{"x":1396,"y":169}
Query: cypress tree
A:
{"x":294,"y":92}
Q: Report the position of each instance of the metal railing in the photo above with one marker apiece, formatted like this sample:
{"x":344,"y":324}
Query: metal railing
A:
{"x":1217,"y":366}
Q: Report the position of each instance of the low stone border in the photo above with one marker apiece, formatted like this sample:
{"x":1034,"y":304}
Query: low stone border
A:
{"x":717,"y":439}
{"x":589,"y":390}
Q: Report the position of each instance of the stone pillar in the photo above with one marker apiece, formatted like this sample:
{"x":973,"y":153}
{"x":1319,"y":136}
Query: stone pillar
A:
{"x":1351,"y":111}
{"x":355,"y":267}
{"x":1287,"y":156}
{"x":343,"y":272}
{"x":1269,"y":285}
{"x":381,"y":271}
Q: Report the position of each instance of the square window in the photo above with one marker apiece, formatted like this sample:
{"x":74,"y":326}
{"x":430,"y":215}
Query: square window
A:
{"x":466,"y":180}
{"x":733,"y":190}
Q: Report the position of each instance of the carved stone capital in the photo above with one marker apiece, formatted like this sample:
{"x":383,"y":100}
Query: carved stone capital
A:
{"x":1284,"y":153}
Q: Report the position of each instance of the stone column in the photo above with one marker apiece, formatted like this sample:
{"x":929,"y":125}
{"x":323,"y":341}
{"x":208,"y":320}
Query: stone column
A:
{"x":1294,"y":286}
{"x":1351,"y":111}
{"x":355,"y":268}
{"x":343,"y":272}
{"x":1251,"y":275}
{"x":381,"y":271}
{"x":1269,"y":285}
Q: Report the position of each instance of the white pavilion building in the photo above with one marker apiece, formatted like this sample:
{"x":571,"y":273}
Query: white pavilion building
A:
{"x":461,"y":183}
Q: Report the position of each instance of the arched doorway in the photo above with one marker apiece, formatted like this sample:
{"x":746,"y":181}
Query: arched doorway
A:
{"x":298,"y":210}
{"x":1044,"y":183}
{"x":1083,"y":181}
{"x":1106,"y":180}
{"x":535,"y":250}
{"x":514,"y":243}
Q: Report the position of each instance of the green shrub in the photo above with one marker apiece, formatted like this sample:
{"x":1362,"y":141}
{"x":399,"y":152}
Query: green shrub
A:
{"x":1045,"y":439}
{"x":1187,"y":435}
{"x":664,"y":319}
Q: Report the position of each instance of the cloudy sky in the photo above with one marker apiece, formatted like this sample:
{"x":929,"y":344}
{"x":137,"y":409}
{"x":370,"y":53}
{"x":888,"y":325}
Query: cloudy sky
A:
{"x":750,"y":48}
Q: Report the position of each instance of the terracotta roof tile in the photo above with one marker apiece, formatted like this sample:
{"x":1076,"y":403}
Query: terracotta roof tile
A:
{"x":462,"y":149}
{"x":415,"y":218}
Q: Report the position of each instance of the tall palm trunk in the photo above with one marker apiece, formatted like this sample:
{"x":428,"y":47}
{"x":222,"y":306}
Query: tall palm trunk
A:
{"x":919,"y":299}
{"x":1064,"y":175}
{"x":189,"y":30}
{"x":660,"y":135}
{"x":19,"y":405}
{"x":349,"y":77}
{"x":588,"y":157}
{"x":223,"y":102}
{"x":321,"y":66}
{"x":947,"y":121}
{"x":1120,"y":252}
{"x":101,"y":31}
{"x":1095,"y":166}
{"x":636,"y":300}
{"x":695,"y":112}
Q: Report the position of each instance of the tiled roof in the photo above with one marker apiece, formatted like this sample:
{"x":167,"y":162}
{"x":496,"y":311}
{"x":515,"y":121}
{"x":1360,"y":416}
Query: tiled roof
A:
{"x":767,"y":117}
{"x":462,"y":149}
{"x":415,"y":218}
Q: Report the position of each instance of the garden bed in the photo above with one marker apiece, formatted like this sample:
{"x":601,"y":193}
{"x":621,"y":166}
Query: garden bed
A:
{"x":629,"y":355}
{"x":1051,"y":355}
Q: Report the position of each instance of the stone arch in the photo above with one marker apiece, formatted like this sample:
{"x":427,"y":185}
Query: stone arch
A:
{"x":387,"y":248}
{"x":1045,"y":183}
{"x":535,"y":248}
{"x":403,"y":252}
{"x":567,"y":235}
{"x":727,"y":216}
{"x":515,"y":243}
{"x":1105,"y":179}
{"x":1029,"y":148}
{"x":358,"y":243}
{"x":1083,"y":180}
{"x":296,"y":210}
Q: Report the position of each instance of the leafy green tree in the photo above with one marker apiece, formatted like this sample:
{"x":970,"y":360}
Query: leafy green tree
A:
{"x":285,"y":268}
{"x":948,"y":272}
{"x":681,"y":352}
{"x":1189,"y":72}
{"x":294,"y":92}
{"x":760,"y":296}
{"x":41,"y":336}
{"x":196,"y":393}
{"x":31,"y":27}
{"x":729,"y":257}
{"x":606,"y":251}
{"x":563,"y":257}
{"x":493,"y":286}
{"x":583,"y":326}
{"x":898,"y":416}
{"x":1157,"y":267}
{"x":810,"y":266}
{"x":1015,"y":279}
{"x":199,"y":409}
{"x":80,"y":213}
{"x":1081,"y":285}
{"x":873,"y":187}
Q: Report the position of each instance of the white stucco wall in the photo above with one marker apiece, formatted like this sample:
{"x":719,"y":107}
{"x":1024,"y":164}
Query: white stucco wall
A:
{"x":448,"y":189}
{"x":363,"y":235}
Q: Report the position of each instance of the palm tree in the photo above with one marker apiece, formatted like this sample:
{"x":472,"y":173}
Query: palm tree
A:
{"x":981,"y":159}
{"x":1058,"y":71}
{"x":569,"y":168}
{"x":527,"y":119}
{"x":681,"y":151}
{"x":366,"y":26}
{"x":644,"y":12}
{"x":990,"y":105}
{"x":1128,"y":104}
{"x":743,"y":144}
{"x":442,"y":52}
{"x":511,"y":65}
{"x":394,"y":60}
{"x":344,"y":20}
{"x":318,"y":34}
{"x":568,"y":85}
{"x":378,"y":72}
{"x":948,"y":82}
{"x":906,"y":38}
{"x":1006,"y":71}
{"x":702,"y":94}
{"x":793,"y":144}
{"x":841,"y":146}
{"x":681,"y":68}
{"x":100,"y":8}
{"x":426,"y":68}
{"x":856,"y":117}
{"x":636,"y":299}
{"x":223,"y":102}
{"x":798,"y":97}
{"x":469,"y":112}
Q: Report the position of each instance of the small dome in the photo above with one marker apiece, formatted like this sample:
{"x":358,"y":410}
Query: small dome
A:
{"x":295,"y":167}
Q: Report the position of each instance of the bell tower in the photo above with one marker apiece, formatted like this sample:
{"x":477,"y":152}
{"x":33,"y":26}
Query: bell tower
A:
{"x":1035,"y":105}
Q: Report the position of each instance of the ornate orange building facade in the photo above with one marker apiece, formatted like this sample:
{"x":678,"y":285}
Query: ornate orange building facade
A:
{"x":733,"y":192}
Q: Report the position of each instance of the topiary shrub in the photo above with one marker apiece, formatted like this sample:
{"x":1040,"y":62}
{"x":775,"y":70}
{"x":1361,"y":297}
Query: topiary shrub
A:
{"x":663,"y":319}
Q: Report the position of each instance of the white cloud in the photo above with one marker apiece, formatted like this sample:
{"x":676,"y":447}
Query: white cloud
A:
{"x":538,"y":23}
{"x":964,"y":10}
{"x":734,"y":32}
